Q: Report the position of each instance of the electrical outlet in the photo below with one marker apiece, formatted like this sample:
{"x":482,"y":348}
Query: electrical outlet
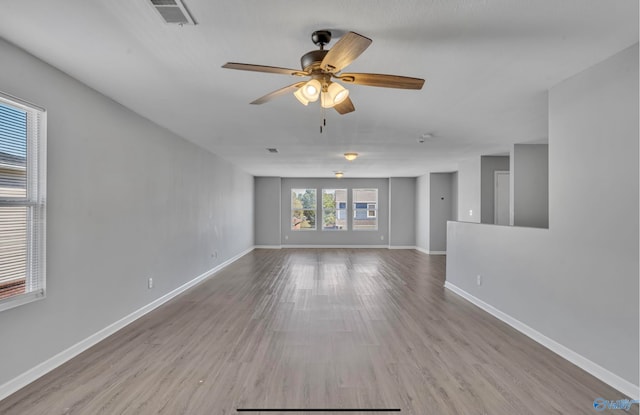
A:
{"x":215,"y":254}
{"x":150,"y":283}
{"x":479,"y":280}
{"x":470,"y":212}
{"x":286,"y":237}
{"x":382,"y":237}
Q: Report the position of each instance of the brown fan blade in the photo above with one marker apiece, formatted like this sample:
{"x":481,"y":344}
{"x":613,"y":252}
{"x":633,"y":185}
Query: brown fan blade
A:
{"x":345,"y":51}
{"x":382,"y":80}
{"x":345,"y":106}
{"x":263,"y":68}
{"x":277,"y":93}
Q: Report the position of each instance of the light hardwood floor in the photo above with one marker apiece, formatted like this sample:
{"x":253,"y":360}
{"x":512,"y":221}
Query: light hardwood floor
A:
{"x":317,"y":328}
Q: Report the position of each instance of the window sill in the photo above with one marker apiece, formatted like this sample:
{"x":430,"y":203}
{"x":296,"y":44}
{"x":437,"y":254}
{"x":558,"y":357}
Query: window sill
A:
{"x":21,"y":299}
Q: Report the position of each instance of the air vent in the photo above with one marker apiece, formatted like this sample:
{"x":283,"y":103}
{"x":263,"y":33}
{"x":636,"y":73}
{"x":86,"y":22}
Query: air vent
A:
{"x":272,"y":150}
{"x":174,"y":12}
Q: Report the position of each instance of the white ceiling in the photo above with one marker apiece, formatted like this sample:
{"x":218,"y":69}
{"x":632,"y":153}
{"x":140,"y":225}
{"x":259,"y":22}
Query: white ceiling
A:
{"x":487,"y":65}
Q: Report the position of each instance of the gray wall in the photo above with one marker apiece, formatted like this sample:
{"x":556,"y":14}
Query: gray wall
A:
{"x":489,"y":165}
{"x":469,"y":190}
{"x":530,"y":185}
{"x":454,"y":196}
{"x":422,"y":212}
{"x":127,"y":200}
{"x":402,"y":211}
{"x":349,"y":237}
{"x":267,"y":211}
{"x":577,"y":282}
{"x":440,"y":202}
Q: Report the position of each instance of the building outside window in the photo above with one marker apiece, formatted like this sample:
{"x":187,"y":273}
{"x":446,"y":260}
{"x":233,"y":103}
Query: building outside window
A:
{"x":365,"y":209}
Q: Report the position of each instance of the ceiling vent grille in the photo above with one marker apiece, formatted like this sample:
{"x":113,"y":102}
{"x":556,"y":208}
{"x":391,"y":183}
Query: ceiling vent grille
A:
{"x":174,"y":12}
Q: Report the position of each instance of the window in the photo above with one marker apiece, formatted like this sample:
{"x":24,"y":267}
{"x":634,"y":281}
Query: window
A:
{"x":334,"y":209}
{"x":371,"y":210}
{"x":22,"y":202}
{"x":303,"y":209}
{"x":365,"y":209}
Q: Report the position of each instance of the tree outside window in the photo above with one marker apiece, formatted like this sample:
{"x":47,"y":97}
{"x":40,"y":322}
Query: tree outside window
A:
{"x":303,"y":209}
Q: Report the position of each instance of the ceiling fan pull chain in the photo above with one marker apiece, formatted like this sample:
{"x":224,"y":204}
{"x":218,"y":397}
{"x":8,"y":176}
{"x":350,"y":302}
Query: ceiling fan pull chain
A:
{"x":324,"y":120}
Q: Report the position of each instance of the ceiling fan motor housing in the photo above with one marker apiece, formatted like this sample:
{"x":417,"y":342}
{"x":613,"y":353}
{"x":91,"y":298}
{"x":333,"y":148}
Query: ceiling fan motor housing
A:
{"x":311,"y":60}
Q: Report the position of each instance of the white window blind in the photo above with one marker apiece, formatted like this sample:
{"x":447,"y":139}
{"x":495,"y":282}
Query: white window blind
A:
{"x":22,"y":202}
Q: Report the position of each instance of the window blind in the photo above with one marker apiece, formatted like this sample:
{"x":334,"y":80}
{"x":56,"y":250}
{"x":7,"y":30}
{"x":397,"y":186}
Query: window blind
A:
{"x":22,"y":201}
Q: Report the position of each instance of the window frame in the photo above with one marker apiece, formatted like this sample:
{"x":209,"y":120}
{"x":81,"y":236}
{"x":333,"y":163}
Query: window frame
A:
{"x":336,"y":210}
{"x":315,"y":209}
{"x":34,"y":201}
{"x":366,"y":209}
{"x":373,"y":209}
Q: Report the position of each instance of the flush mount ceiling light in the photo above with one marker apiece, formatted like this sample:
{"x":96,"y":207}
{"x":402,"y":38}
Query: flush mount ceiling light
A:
{"x":339,"y":174}
{"x":350,"y":156}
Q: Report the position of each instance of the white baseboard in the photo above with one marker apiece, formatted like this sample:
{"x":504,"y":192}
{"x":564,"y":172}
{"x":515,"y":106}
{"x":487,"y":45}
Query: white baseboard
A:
{"x":337,"y":246}
{"x":426,"y":251}
{"x":48,"y":365}
{"x":582,"y":362}
{"x":268,"y":247}
{"x":401,"y":247}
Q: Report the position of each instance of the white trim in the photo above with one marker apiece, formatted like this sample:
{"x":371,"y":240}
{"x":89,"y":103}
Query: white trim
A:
{"x":335,"y":246}
{"x":426,"y":251}
{"x":402,"y":247}
{"x":268,"y":247}
{"x":582,"y":362}
{"x":48,"y":365}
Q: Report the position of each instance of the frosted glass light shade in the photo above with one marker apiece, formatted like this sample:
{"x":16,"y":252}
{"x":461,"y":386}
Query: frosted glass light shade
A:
{"x":300,"y":97}
{"x":334,"y":95}
{"x":337,"y":92}
{"x":311,"y":90}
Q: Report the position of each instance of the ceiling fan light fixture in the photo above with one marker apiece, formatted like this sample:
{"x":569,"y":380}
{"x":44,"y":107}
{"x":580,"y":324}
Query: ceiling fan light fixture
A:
{"x":337,"y":92}
{"x":350,"y":156}
{"x":326,"y":101}
{"x":300,"y":97}
{"x":311,"y":90}
{"x":334,"y":95}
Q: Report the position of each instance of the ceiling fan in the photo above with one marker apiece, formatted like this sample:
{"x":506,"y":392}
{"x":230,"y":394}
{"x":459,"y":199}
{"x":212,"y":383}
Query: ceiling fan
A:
{"x":324,"y":68}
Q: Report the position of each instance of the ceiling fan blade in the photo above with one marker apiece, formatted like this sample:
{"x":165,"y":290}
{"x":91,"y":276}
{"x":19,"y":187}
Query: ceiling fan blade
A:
{"x":345,"y":106}
{"x":345,"y":51}
{"x":282,"y":91}
{"x":382,"y":80}
{"x":263,"y":68}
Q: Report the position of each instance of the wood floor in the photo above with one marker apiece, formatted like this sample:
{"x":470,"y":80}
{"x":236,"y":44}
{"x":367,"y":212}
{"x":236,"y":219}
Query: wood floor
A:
{"x":317,"y":328}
